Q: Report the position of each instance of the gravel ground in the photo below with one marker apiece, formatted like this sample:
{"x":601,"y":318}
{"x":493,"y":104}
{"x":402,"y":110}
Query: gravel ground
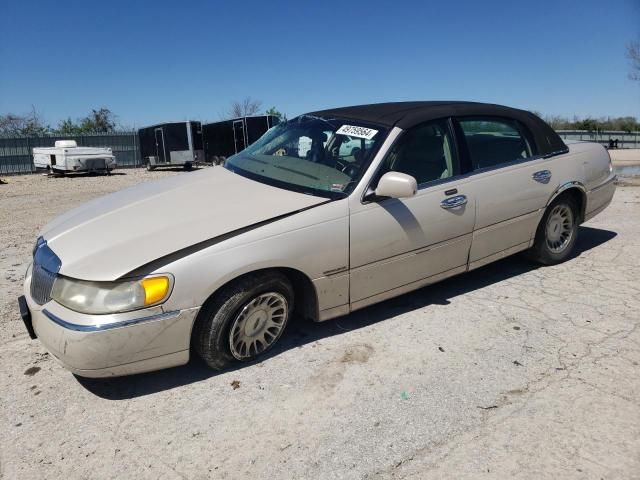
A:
{"x":511,"y":371}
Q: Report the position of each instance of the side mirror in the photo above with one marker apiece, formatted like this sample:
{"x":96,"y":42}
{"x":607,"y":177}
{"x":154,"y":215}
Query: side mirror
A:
{"x":396,"y":185}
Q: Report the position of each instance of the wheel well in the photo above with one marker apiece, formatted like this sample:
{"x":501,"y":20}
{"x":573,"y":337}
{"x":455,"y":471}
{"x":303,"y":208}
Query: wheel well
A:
{"x":579,"y":197}
{"x":306,"y":299}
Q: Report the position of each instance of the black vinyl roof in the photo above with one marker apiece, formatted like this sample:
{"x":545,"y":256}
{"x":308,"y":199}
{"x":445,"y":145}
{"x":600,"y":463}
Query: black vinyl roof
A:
{"x":408,"y":114}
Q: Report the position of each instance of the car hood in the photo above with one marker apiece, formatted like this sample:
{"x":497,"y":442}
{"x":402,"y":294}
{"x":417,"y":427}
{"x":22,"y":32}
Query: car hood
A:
{"x":109,"y":237}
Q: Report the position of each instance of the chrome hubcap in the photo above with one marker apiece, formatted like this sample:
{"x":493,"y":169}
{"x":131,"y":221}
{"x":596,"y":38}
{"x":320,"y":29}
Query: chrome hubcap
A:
{"x":258,"y":325}
{"x":559,"y":228}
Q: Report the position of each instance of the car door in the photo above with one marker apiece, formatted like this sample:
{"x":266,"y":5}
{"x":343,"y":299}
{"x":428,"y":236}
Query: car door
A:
{"x":397,"y":245}
{"x":511,"y":185}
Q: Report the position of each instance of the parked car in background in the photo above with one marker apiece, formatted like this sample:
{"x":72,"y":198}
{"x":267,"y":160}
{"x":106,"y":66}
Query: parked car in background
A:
{"x":381,"y":200}
{"x":66,"y":156}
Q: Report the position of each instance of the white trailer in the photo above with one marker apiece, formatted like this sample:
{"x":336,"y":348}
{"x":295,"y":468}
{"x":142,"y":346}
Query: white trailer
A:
{"x":67,"y":156}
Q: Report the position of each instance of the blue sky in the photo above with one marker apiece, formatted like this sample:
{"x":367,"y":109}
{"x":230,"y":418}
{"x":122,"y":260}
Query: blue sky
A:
{"x":166,"y":60}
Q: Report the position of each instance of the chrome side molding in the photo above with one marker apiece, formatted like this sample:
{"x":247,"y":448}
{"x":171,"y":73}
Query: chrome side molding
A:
{"x":108,"y":326}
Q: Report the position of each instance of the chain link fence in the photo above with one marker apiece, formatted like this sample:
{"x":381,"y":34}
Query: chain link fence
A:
{"x":16,"y":153}
{"x":624,"y":139}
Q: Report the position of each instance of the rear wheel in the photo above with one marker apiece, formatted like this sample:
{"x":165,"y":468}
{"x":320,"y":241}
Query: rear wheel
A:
{"x":243,"y":320}
{"x":188,"y":166}
{"x":557,"y":233}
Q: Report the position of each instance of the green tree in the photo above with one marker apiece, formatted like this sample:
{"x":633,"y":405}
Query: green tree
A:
{"x":627,"y":124}
{"x":276,"y":113}
{"x":589,"y":124}
{"x":68,"y":127}
{"x":99,"y":121}
{"x":102,"y":120}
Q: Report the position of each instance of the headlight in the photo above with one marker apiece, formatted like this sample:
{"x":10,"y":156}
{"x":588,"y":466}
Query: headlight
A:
{"x":111,"y":297}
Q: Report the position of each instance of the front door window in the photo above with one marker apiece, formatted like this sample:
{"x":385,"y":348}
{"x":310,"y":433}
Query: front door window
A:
{"x":425,"y":152}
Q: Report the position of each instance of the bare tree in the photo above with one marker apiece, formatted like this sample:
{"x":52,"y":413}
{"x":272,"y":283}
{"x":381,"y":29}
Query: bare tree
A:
{"x":244,"y":108}
{"x":557,"y":122}
{"x":11,"y":124}
{"x":29,"y":124}
{"x":633,"y":54}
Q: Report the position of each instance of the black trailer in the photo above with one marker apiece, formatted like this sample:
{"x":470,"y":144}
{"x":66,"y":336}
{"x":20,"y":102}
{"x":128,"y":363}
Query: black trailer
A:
{"x":171,"y":144}
{"x":226,"y":138}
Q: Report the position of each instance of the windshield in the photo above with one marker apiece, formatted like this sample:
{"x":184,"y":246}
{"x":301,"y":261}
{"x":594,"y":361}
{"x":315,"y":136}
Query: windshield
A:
{"x":314,"y":155}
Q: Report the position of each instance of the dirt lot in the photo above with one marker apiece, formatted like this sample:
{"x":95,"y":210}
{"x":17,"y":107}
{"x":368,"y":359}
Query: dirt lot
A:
{"x":511,"y":371}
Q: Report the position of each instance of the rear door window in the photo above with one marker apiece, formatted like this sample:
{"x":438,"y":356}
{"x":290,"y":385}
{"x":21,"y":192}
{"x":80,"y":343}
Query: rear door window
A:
{"x":492,"y":142}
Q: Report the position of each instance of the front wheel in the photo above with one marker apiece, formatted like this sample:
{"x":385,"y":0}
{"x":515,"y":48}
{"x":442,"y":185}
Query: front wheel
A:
{"x":557,"y":233}
{"x":243,"y":320}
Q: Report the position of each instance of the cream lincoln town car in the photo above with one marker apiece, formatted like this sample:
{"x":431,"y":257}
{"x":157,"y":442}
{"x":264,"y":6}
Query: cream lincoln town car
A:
{"x":325,"y":214}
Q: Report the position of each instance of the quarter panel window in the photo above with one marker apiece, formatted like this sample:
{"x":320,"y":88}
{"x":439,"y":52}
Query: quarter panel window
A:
{"x":425,"y":152}
{"x":492,"y":142}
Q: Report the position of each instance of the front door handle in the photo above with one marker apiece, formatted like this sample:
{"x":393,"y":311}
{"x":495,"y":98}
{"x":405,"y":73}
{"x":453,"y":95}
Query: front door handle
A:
{"x":543,"y":176}
{"x":454,"y":202}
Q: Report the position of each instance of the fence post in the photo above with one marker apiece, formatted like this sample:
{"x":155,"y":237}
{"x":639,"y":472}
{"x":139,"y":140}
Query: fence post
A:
{"x":31,"y":166}
{"x":135,"y":149}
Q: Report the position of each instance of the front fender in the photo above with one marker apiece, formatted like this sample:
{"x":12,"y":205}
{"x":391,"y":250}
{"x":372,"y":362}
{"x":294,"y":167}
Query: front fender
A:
{"x":314,"y":243}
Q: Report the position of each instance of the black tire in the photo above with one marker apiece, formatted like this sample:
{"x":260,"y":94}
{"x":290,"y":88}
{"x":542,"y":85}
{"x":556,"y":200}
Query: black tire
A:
{"x":188,"y":166}
{"x":211,"y":332}
{"x":150,"y":167}
{"x":542,"y":250}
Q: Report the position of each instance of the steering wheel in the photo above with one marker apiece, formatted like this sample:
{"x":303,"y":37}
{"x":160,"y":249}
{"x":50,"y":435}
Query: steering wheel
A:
{"x":340,"y":164}
{"x":351,"y":169}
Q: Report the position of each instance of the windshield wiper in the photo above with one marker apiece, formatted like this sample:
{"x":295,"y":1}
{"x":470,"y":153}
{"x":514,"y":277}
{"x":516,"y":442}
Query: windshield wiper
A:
{"x":248,"y":157}
{"x":297,"y":172}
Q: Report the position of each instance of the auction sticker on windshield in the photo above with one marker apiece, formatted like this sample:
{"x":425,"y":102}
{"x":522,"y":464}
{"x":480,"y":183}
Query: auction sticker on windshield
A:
{"x":358,"y":132}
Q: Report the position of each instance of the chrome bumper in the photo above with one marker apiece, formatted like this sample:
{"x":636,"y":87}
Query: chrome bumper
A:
{"x":97,"y":327}
{"x":599,"y":197}
{"x":112,"y":345}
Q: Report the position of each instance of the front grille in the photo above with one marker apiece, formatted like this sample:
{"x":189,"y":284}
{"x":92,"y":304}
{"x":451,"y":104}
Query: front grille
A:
{"x":41,"y":284}
{"x":46,"y":266}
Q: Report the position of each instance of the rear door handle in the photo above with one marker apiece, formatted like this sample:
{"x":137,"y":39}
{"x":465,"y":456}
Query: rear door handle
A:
{"x":543,"y":176}
{"x":454,"y":202}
